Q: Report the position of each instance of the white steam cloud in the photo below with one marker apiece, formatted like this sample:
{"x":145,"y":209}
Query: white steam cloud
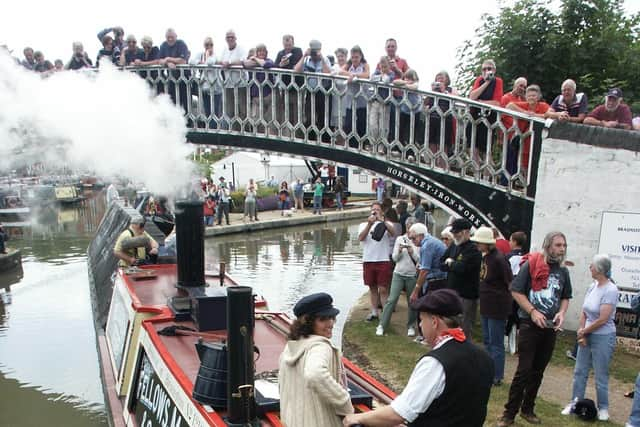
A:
{"x":109,"y":122}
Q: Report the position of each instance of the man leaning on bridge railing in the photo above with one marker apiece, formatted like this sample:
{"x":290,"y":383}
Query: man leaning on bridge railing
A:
{"x":235,"y":82}
{"x":287,"y":59}
{"x":314,"y":61}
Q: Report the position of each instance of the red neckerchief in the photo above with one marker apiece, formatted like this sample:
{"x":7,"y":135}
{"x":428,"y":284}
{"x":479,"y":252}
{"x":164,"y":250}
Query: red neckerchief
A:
{"x":455,"y":333}
{"x":538,"y":270}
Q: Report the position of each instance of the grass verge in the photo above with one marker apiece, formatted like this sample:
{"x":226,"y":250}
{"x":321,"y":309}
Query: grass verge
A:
{"x":391,"y":359}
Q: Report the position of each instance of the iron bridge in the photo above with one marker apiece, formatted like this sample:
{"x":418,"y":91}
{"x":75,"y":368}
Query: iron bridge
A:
{"x":473,"y":159}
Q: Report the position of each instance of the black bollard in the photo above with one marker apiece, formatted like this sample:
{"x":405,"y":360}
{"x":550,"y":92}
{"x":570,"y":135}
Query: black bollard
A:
{"x":240,"y":324}
{"x":190,"y":243}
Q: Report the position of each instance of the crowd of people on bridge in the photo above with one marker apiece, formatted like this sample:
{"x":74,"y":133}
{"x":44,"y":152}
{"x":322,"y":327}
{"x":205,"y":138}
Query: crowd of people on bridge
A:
{"x":371,"y":112}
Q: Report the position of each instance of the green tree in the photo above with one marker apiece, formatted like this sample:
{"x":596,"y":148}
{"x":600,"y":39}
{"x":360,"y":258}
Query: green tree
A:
{"x":593,"y":42}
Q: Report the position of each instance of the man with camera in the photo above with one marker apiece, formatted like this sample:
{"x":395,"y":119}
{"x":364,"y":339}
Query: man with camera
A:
{"x":314,"y":62}
{"x":375,"y":235}
{"x":80,"y":59}
{"x":488,"y":89}
{"x":134,"y":245}
{"x":542,"y":289}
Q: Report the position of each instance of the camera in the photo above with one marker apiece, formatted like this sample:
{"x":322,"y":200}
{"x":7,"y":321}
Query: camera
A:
{"x":436,"y":86}
{"x":489,"y":76}
{"x":313,"y":53}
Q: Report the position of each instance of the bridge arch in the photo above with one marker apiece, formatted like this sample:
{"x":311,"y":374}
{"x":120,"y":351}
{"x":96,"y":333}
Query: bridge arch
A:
{"x":480,"y":204}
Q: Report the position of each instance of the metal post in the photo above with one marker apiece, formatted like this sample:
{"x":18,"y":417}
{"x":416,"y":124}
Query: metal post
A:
{"x":240,"y":377}
{"x":222,"y":272}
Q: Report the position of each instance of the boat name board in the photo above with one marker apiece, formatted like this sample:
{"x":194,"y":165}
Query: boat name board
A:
{"x":154,"y":407}
{"x":163,"y":380}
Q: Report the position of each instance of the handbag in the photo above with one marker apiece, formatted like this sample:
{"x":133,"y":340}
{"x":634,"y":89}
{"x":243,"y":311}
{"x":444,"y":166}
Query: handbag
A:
{"x":378,"y":231}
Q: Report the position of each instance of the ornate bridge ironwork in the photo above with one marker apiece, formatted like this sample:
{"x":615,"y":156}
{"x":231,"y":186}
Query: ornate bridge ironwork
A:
{"x":476,"y":160}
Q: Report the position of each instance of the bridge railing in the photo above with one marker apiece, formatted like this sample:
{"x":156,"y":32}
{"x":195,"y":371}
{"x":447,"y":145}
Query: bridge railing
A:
{"x":434,"y":130}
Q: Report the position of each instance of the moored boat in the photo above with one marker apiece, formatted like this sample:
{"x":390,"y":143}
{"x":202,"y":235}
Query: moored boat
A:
{"x":12,"y":260}
{"x":178,"y":346}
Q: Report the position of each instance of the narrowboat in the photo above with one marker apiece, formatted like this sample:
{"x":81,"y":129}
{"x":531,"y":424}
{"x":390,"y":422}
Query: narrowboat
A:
{"x":182,"y":347}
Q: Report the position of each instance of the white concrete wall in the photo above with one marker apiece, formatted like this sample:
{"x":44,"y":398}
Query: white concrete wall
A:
{"x":576,"y":183}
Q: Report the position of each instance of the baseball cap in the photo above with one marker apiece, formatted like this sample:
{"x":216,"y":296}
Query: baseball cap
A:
{"x":615,"y":92}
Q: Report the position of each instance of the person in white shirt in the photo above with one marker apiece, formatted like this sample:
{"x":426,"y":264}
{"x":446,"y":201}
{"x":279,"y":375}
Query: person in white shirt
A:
{"x":234,"y":55}
{"x":406,"y":255}
{"x":454,"y":373}
{"x":375,"y":235}
{"x":209,"y":80}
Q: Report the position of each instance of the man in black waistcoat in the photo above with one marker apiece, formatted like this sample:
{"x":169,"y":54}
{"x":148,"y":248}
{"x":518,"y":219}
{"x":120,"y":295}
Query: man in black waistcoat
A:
{"x":454,"y":373}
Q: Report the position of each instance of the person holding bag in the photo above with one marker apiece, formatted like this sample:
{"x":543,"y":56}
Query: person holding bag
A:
{"x":596,"y":336}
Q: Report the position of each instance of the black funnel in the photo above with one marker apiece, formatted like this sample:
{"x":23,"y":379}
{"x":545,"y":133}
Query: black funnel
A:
{"x":190,"y":243}
{"x":240,"y":325}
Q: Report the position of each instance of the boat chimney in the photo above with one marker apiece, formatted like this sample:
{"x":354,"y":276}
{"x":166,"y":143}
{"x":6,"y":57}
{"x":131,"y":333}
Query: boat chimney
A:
{"x":240,"y":377}
{"x":190,"y":243}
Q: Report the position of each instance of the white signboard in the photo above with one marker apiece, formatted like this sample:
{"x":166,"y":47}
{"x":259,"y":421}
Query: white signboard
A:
{"x":620,"y":239}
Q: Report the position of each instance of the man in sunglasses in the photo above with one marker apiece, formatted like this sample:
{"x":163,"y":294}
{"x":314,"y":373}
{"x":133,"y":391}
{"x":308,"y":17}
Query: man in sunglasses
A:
{"x":135,"y":246}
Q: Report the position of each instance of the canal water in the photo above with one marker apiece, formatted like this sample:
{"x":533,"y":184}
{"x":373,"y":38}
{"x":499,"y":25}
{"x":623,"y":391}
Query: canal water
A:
{"x":49,"y":372}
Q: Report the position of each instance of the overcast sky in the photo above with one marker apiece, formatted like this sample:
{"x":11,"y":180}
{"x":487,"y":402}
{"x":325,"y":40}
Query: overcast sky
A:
{"x":428,"y":33}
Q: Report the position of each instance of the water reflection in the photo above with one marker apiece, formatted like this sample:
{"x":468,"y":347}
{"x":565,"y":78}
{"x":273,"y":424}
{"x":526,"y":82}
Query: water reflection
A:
{"x":48,"y":362}
{"x":284,"y":265}
{"x":27,"y":405}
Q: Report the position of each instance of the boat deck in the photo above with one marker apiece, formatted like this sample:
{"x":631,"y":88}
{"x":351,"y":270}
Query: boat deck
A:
{"x":151,"y":287}
{"x":267,"y":338}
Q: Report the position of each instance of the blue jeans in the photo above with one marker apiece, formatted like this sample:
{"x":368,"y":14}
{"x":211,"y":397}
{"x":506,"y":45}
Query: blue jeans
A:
{"x":339,"y":200}
{"x":597,"y":354}
{"x":317,"y":204}
{"x":634,"y":418}
{"x":379,"y":194}
{"x":493,"y":337}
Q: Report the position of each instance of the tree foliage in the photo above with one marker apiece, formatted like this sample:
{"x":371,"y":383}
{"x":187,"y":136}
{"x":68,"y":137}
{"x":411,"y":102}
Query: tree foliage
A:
{"x":593,"y":42}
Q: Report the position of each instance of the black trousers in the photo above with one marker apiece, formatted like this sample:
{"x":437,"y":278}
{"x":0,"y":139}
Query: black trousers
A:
{"x":223,"y":209}
{"x":535,"y":347}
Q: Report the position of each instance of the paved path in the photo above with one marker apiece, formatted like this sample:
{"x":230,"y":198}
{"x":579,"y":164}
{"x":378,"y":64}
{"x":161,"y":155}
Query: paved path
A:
{"x":558,"y":380}
{"x":274,"y":219}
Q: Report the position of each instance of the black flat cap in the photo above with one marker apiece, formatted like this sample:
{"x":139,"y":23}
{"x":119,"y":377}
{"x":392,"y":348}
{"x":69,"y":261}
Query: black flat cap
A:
{"x":441,"y":302}
{"x":460,"y":224}
{"x":320,"y":304}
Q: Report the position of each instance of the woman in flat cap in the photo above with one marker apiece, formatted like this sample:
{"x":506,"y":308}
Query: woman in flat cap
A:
{"x":313,"y":387}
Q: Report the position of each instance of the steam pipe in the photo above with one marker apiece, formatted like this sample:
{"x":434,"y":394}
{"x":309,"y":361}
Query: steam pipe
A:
{"x":241,"y":402}
{"x":190,"y":243}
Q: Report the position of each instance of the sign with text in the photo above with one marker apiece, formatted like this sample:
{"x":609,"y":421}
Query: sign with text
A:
{"x":154,"y":407}
{"x":620,"y":239}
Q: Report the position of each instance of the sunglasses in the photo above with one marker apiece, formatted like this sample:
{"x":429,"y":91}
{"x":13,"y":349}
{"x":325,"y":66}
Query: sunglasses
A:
{"x":487,"y":68}
{"x":208,"y":44}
